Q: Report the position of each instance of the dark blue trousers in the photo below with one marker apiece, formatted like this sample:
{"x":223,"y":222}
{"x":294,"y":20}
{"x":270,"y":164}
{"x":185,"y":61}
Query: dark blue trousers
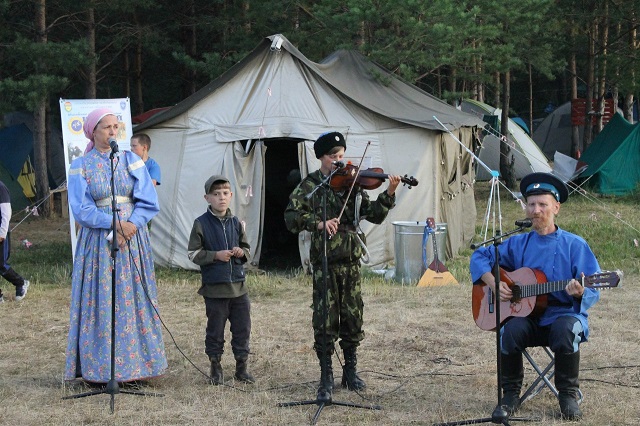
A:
{"x":562,"y":336}
{"x":5,"y":270}
{"x":5,"y":252}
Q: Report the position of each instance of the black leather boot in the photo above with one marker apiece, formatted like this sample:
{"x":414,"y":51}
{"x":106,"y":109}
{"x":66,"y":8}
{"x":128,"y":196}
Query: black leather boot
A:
{"x":241,"y":370}
{"x":215,"y":373}
{"x":350,"y":378}
{"x":326,"y":379}
{"x":512,"y":375}
{"x":568,"y":384}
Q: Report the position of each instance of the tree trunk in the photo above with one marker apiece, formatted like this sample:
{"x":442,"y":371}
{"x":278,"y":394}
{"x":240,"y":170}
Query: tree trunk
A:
{"x":92,"y":79}
{"x":39,"y":123}
{"x":615,"y":90}
{"x":137,"y":70}
{"x":188,"y":39}
{"x":507,"y":160}
{"x":591,"y":65}
{"x":126,"y":64}
{"x":481,"y":86}
{"x":476,"y":91}
{"x":191,"y":48}
{"x":576,"y":143}
{"x":453,"y":79}
{"x":497,"y":83}
{"x":530,"y":123}
{"x":633,"y":46}
{"x":604,"y":41}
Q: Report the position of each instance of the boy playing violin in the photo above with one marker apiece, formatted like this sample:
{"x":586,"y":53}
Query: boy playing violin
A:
{"x":345,"y":243}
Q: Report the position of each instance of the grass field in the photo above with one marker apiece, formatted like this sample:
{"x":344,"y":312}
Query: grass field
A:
{"x":423,"y":358}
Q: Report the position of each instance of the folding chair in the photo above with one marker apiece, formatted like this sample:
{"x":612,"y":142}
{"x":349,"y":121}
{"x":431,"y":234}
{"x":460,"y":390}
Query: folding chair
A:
{"x":544,"y":377}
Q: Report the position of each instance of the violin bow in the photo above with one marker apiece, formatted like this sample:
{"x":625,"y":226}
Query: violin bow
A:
{"x":354,"y":181}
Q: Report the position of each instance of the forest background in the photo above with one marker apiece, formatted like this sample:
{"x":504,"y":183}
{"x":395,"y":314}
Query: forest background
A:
{"x":522,"y":56}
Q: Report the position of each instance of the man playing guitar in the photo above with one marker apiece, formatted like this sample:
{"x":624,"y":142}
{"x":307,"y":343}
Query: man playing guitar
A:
{"x":563,"y":324}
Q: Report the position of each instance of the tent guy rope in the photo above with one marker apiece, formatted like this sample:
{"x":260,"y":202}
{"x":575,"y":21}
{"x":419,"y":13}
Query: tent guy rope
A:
{"x":495,"y":181}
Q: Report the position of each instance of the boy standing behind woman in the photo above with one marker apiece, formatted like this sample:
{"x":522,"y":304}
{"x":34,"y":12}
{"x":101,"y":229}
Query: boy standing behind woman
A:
{"x":218,"y":244}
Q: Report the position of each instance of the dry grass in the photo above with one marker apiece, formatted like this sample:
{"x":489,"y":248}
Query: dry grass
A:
{"x":424,"y":359}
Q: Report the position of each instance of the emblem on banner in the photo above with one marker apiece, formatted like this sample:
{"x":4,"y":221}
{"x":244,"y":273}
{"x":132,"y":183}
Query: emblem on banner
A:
{"x":75,"y":125}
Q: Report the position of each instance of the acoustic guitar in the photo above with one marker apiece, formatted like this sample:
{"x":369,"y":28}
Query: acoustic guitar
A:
{"x":530,"y":289}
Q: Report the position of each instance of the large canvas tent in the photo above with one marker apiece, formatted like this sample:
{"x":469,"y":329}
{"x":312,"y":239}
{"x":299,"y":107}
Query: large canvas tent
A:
{"x":528,"y":157}
{"x":614,"y":158}
{"x":256,"y":124}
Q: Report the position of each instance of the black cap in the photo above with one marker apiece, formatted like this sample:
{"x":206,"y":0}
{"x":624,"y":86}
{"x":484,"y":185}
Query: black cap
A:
{"x":544,"y":183}
{"x":326,"y":141}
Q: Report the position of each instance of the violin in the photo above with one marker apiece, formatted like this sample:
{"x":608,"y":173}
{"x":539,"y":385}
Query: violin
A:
{"x":370,"y":178}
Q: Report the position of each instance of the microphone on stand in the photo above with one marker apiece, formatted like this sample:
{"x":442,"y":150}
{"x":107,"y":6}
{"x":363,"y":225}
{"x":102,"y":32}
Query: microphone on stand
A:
{"x":338,"y":164}
{"x":113,"y":144}
{"x":524,"y":223}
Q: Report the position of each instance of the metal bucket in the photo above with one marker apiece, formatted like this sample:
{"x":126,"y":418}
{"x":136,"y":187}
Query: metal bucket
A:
{"x":408,"y":249}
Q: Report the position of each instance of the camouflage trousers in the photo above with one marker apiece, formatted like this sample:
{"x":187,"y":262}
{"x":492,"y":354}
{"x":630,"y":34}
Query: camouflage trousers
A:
{"x":345,"y":305}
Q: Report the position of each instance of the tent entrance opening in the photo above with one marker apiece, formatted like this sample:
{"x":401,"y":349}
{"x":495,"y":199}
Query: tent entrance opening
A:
{"x":282,"y":175}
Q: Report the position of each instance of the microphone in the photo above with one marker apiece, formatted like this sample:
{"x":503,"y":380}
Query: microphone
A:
{"x":524,"y":223}
{"x":113,"y":144}
{"x":338,"y":164}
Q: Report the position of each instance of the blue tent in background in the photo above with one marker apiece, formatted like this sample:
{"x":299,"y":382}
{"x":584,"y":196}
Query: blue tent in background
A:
{"x":16,"y":172}
{"x":520,"y":122}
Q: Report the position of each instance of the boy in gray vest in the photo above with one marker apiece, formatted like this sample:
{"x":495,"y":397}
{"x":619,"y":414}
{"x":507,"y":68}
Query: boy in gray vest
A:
{"x":219,"y":245}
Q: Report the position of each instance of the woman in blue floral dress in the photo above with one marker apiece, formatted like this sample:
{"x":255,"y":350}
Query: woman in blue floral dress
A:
{"x":139,"y":348}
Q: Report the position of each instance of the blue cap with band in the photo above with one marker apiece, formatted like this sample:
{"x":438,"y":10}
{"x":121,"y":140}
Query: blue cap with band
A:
{"x":544,"y":183}
{"x":542,"y":188}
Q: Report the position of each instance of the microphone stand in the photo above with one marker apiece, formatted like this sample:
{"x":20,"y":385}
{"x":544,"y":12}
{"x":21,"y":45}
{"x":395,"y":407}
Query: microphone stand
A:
{"x":324,"y":397}
{"x":499,"y":415}
{"x":112,"y":388}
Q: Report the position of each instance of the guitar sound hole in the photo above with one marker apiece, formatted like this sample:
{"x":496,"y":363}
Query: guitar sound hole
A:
{"x":517,"y":294}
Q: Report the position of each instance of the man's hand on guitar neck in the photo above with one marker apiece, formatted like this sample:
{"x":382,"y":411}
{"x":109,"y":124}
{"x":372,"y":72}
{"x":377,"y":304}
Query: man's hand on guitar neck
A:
{"x":575,"y":289}
{"x":505,"y":290}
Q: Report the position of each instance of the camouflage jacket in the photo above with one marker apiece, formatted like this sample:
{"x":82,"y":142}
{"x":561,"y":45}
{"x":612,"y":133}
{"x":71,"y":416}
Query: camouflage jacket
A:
{"x":304,"y":215}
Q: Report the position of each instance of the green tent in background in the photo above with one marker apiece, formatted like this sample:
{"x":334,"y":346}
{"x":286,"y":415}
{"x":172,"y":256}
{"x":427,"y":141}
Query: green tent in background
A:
{"x":614,"y":158}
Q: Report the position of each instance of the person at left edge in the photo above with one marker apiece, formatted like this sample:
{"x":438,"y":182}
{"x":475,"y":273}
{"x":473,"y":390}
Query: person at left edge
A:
{"x":139,"y":347}
{"x":7,"y":272}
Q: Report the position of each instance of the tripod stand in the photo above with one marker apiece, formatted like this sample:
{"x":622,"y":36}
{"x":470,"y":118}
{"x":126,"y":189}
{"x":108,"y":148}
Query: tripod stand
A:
{"x":112,"y":388}
{"x":499,"y":414}
{"x":324,"y":395}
